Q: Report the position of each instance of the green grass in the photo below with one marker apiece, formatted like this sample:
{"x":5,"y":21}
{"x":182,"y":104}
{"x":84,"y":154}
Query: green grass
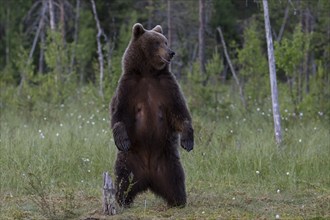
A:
{"x":52,"y":160}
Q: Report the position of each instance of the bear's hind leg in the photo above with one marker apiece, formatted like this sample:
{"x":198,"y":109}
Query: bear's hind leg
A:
{"x":124,"y":194}
{"x":128,"y":186}
{"x":170,"y":184}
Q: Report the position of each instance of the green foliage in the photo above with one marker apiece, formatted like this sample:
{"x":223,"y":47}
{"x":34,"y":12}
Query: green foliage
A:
{"x":204,"y":88}
{"x":253,"y":64}
{"x":223,"y":15}
{"x":21,"y":97}
{"x":290,"y":57}
{"x":214,"y":66}
{"x":55,"y":86}
{"x":11,"y":39}
{"x":290,"y":52}
{"x":316,"y":102}
{"x":11,"y":72}
{"x":228,"y":14}
{"x":307,"y":83}
{"x":85,"y":48}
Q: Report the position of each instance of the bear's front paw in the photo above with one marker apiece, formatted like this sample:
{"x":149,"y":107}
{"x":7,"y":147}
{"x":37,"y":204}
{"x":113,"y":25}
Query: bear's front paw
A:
{"x":187,"y":139}
{"x":120,"y":136}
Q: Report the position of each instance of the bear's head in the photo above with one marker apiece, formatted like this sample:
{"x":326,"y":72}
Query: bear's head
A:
{"x":149,"y":47}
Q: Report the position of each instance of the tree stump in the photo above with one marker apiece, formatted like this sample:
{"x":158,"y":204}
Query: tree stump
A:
{"x":109,"y":202}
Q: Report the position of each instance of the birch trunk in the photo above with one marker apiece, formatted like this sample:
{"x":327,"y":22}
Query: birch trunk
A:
{"x":75,"y":37}
{"x":99,"y":48}
{"x":51,"y":15}
{"x":201,"y":36}
{"x":272,"y":74}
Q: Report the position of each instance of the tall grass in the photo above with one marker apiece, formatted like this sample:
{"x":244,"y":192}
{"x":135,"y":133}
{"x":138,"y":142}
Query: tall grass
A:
{"x":70,"y":145}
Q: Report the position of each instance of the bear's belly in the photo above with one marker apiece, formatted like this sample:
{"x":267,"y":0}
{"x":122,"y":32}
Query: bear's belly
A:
{"x":149,"y":121}
{"x":150,"y":111}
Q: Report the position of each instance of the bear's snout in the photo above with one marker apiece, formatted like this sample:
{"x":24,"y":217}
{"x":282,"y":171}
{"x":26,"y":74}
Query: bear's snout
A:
{"x":171,"y":53}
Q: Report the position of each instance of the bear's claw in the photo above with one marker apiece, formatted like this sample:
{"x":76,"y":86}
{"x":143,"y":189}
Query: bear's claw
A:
{"x":187,"y":139}
{"x":188,"y":145}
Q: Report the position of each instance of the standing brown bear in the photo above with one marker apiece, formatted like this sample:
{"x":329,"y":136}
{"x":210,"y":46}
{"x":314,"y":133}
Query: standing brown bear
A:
{"x":149,"y":119}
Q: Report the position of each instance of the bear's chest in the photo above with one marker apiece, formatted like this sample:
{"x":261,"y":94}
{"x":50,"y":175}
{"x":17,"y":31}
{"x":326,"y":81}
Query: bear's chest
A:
{"x":150,"y":107}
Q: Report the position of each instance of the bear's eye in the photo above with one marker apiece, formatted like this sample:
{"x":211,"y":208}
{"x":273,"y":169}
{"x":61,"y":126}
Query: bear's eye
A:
{"x":165,"y":43}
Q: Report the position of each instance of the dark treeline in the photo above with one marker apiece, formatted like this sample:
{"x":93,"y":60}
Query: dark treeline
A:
{"x":48,"y":49}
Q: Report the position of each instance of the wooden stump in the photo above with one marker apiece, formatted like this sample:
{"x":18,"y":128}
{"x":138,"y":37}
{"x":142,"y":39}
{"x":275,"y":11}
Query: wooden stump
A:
{"x":109,"y":202}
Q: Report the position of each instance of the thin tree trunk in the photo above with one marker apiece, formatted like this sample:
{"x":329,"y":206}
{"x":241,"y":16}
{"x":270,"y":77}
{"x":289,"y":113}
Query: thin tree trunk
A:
{"x":58,"y":68}
{"x":35,"y":40}
{"x":201,"y":36}
{"x":272,"y":73}
{"x":301,"y":68}
{"x":99,"y":48}
{"x":7,"y":32}
{"x":232,"y":68}
{"x":65,"y":66}
{"x":51,"y":15}
{"x":75,"y":36}
{"x":286,"y":16}
{"x":42,"y":52}
{"x":62,"y":22}
{"x":306,"y":64}
{"x":169,"y":26}
{"x":42,"y":38}
{"x":109,"y":57}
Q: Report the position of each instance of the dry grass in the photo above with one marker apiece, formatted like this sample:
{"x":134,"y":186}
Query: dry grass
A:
{"x":233,"y":204}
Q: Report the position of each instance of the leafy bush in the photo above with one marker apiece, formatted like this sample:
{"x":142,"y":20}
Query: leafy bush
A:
{"x":206,"y":94}
{"x":253,"y":66}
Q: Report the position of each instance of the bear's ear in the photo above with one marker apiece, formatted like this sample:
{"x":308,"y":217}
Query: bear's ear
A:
{"x":158,"y":29}
{"x":138,"y":30}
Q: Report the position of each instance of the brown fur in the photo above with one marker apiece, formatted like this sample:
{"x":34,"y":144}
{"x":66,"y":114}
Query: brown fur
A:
{"x":149,"y":119}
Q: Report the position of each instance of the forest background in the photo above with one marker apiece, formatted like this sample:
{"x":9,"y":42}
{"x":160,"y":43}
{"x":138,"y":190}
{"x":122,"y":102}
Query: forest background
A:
{"x":59,"y":69}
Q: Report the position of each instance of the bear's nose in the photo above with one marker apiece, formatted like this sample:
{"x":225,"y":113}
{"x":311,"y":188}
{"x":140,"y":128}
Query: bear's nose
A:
{"x":172,"y":53}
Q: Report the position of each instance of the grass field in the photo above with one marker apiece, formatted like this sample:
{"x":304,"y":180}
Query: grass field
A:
{"x":52,"y":160}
